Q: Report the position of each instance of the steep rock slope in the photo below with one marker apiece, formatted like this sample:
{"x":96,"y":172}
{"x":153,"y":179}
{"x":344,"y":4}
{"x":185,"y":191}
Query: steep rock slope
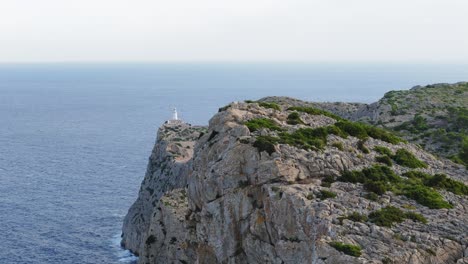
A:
{"x":271,"y":184}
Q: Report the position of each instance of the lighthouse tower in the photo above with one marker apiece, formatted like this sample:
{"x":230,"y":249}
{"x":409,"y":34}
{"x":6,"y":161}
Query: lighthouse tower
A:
{"x":175,"y":118}
{"x":174,"y":115}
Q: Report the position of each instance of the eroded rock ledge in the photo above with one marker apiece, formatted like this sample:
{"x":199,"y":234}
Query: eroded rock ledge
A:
{"x":210,"y":196}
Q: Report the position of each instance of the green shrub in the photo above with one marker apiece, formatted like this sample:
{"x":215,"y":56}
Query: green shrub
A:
{"x":387,"y":216}
{"x":384,"y":159}
{"x":354,"y":129}
{"x":362,"y":147}
{"x":375,"y":173}
{"x":306,"y":138}
{"x":407,"y":159}
{"x":294,"y":119}
{"x":416,"y":217}
{"x":266,"y":143}
{"x":224,"y":108}
{"x":314,"y":111}
{"x":441,"y":181}
{"x":324,"y":194}
{"x":425,"y":196}
{"x":348,"y":249}
{"x":327,"y":181}
{"x":338,"y":145}
{"x":259,"y":123}
{"x":357,"y":217}
{"x":383,"y":150}
{"x":362,"y":131}
{"x":372,"y":196}
{"x":378,"y":187}
{"x":270,"y":105}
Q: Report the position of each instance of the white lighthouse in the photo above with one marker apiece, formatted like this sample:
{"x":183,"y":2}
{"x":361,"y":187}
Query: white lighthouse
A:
{"x":174,"y":115}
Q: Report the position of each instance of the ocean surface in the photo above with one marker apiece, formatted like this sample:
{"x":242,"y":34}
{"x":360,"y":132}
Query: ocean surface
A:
{"x":75,"y":138}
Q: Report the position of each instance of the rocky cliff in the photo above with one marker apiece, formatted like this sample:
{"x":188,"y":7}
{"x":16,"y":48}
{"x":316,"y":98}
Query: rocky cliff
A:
{"x":275,"y":182}
{"x":432,"y":116}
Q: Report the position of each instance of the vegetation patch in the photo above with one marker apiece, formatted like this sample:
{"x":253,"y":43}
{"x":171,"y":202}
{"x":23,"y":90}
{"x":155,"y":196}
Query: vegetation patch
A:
{"x":224,"y":108}
{"x":405,"y":158}
{"x":294,"y":119}
{"x":362,"y":147}
{"x":390,"y":215}
{"x":314,"y":111}
{"x":355,"y":217}
{"x":259,"y":123}
{"x":384,"y":159}
{"x":376,"y":179}
{"x":338,"y":145}
{"x":324,"y":194}
{"x":348,"y":249}
{"x":425,"y":196}
{"x":270,"y":105}
{"x":379,"y":179}
{"x":383,"y":150}
{"x":439,"y":181}
{"x":327,"y":181}
{"x":363,"y":131}
{"x":266,"y":143}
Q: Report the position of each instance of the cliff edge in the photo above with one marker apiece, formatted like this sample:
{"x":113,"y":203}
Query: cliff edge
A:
{"x":275,"y":182}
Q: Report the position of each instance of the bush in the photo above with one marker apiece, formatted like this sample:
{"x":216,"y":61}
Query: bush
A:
{"x":416,"y":217}
{"x":294,"y":119}
{"x":357,"y":217}
{"x":348,"y":249}
{"x":314,"y":111}
{"x":362,"y":131}
{"x":224,"y":108}
{"x":407,"y":159}
{"x":376,"y":173}
{"x":324,"y":194}
{"x":259,"y":123}
{"x":306,"y":138}
{"x":266,"y":143}
{"x":362,"y":147}
{"x":425,"y":196}
{"x":338,"y":145}
{"x":372,"y":196}
{"x":327,"y":181}
{"x":384,"y":159}
{"x":383,"y":150}
{"x":377,"y":187}
{"x":387,"y":216}
{"x":270,"y":105}
{"x":443,"y":182}
{"x":354,"y":129}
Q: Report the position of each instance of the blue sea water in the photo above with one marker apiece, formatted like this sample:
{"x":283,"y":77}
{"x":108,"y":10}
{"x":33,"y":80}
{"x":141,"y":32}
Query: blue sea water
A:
{"x":74,"y":138}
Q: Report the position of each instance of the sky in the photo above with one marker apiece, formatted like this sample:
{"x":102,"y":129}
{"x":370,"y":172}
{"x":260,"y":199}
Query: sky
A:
{"x":408,"y":31}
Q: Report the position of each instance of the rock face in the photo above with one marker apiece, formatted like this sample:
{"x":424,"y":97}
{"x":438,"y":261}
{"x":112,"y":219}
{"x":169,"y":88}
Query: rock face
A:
{"x":214,"y":197}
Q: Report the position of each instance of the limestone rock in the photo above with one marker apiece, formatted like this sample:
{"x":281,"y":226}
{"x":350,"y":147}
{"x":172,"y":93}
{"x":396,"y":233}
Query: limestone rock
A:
{"x":210,"y":196}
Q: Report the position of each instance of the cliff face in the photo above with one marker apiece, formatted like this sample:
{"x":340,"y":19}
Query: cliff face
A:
{"x":266,"y":184}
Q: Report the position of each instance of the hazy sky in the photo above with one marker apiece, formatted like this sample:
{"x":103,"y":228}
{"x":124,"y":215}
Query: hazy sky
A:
{"x":234,"y":30}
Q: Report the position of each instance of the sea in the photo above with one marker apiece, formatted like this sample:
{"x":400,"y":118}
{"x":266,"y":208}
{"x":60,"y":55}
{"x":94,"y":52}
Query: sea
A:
{"x":75,"y":138}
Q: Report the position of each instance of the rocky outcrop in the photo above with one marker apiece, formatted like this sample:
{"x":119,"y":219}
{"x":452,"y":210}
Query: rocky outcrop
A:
{"x":433,"y":116}
{"x":216,"y":197}
{"x":168,"y":168}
